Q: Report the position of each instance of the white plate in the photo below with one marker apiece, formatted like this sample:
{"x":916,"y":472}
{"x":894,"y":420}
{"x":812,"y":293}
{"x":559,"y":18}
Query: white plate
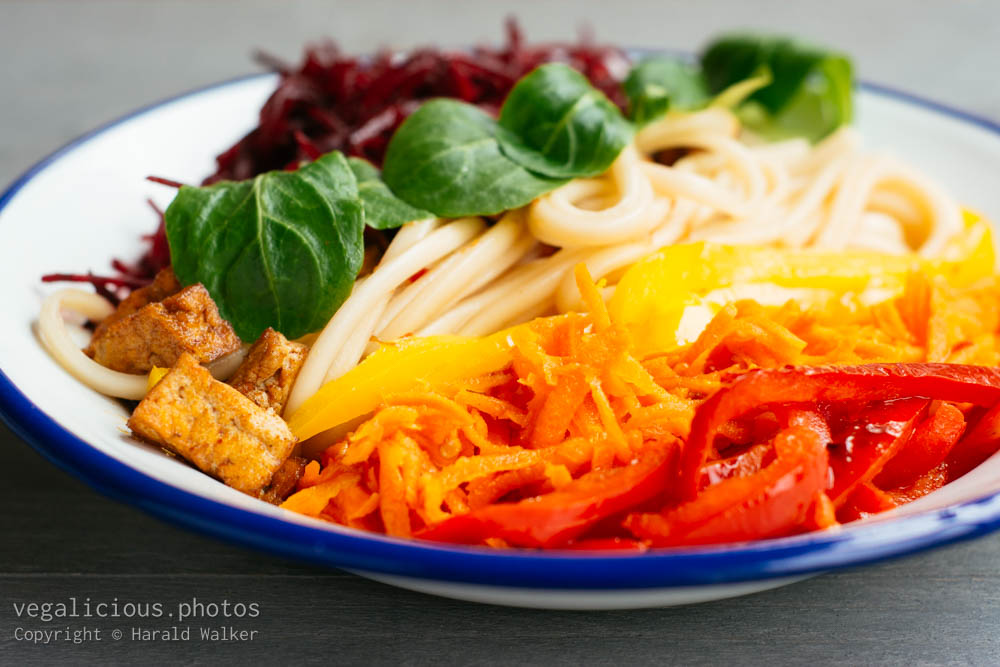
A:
{"x":86,"y":204}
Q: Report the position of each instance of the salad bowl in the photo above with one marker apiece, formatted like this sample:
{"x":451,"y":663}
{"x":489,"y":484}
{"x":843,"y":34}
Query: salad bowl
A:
{"x":87,"y":202}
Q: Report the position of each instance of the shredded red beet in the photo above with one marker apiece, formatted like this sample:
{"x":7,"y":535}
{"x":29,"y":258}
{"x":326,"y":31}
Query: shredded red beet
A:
{"x":338,"y":102}
{"x":169,"y":182}
{"x":130,"y":276}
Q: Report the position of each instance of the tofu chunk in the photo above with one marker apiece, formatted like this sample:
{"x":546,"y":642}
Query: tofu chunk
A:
{"x":213,"y":426}
{"x":158,"y":333}
{"x":284,"y":481}
{"x":164,"y":284}
{"x":268,"y":372}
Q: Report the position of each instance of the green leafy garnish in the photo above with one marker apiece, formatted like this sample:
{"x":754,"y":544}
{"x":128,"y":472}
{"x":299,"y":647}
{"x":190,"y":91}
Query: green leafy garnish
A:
{"x":555,"y":123}
{"x":280,"y":250}
{"x":736,"y":94}
{"x":779,"y":87}
{"x":446,"y":158}
{"x":383,"y":210}
{"x":811,"y":88}
{"x":656,"y":85}
{"x":451,"y":158}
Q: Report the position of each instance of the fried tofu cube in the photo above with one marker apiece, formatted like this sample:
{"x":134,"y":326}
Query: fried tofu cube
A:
{"x":158,"y":333}
{"x":284,"y":481}
{"x":269,"y":370}
{"x":164,"y":284}
{"x":213,"y":426}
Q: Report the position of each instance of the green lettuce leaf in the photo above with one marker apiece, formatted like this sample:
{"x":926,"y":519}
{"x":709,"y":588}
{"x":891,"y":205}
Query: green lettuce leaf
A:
{"x":810,"y":93}
{"x":446,"y":158}
{"x":656,"y":85}
{"x":555,"y":123}
{"x":280,"y":250}
{"x":383,"y":210}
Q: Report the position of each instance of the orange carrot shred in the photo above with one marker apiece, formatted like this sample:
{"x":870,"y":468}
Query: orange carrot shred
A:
{"x":575,"y":402}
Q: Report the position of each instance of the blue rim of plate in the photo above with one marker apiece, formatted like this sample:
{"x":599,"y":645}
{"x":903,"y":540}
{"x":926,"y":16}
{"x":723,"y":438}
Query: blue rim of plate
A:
{"x":334,"y":546}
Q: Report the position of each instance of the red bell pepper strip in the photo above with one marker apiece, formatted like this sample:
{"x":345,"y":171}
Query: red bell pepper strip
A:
{"x":822,"y":515}
{"x":824,"y":384}
{"x":932,"y":440}
{"x":741,"y":465}
{"x":932,"y":480}
{"x":872,"y":439}
{"x":865,"y":500}
{"x":980,"y":442}
{"x":770,"y":502}
{"x":556,"y":518}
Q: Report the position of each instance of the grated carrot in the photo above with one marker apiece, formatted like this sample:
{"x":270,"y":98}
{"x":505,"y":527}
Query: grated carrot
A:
{"x":314,"y":499}
{"x":576,"y":399}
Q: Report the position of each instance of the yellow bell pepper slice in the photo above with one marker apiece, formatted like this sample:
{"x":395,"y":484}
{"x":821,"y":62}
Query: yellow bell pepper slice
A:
{"x":156,"y":374}
{"x":398,"y":367}
{"x":653,"y":294}
{"x":970,"y":255}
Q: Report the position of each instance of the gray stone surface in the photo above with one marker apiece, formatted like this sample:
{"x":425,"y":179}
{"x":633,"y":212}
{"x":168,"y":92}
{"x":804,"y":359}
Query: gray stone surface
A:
{"x":68,"y":66}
